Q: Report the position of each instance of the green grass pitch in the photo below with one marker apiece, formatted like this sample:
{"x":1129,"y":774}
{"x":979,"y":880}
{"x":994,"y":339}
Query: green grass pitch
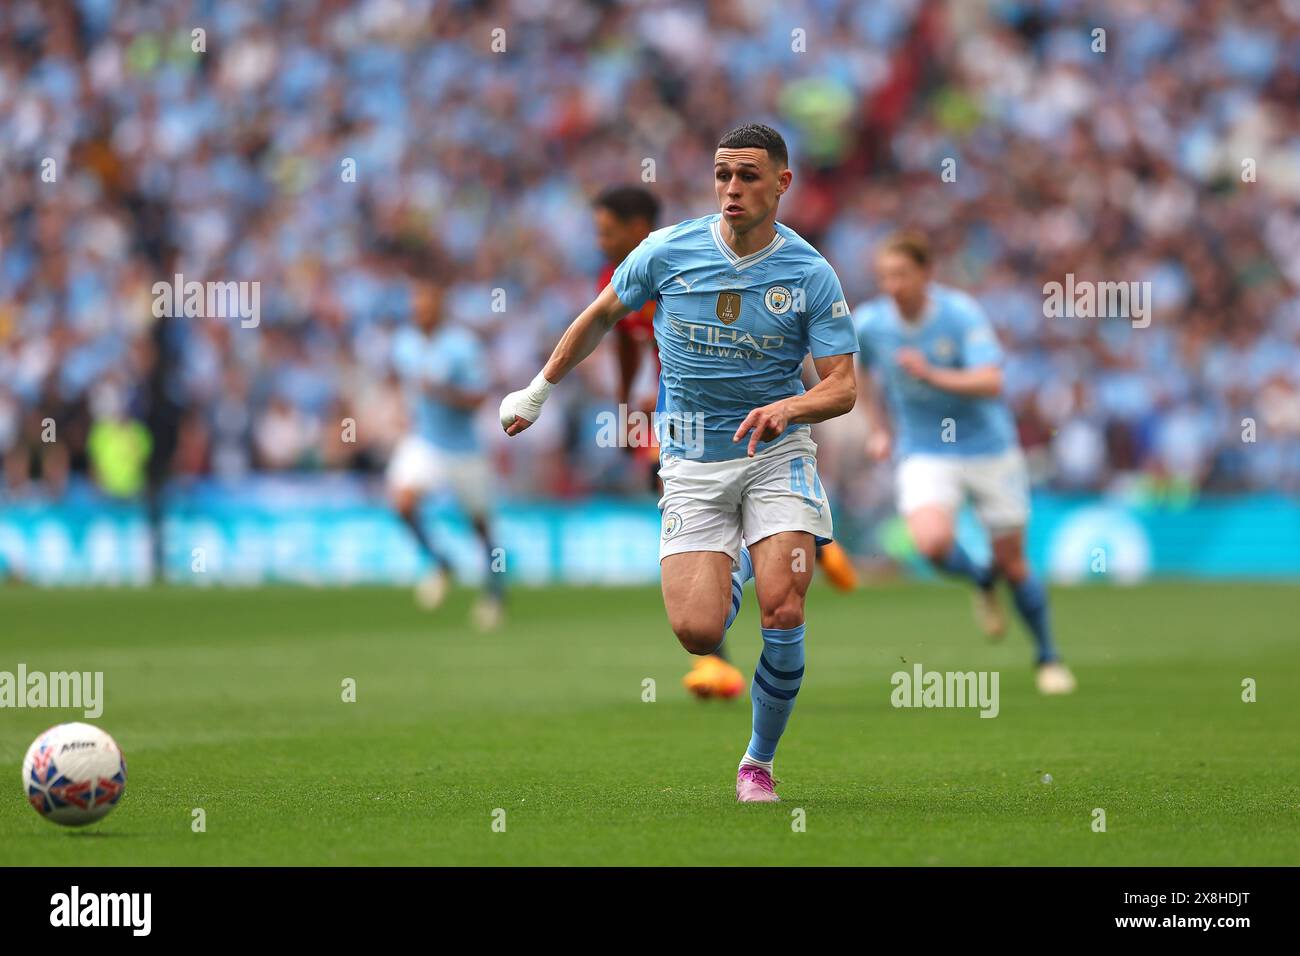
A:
{"x":231,"y":701}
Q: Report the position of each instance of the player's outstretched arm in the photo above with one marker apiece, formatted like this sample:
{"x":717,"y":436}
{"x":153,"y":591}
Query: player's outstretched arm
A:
{"x":833,"y":396}
{"x":520,"y":409}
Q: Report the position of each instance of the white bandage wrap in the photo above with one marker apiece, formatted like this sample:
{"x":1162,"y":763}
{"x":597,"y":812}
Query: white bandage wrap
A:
{"x":527,"y":402}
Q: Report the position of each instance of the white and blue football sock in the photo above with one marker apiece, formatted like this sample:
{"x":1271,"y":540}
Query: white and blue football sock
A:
{"x":777,"y":678}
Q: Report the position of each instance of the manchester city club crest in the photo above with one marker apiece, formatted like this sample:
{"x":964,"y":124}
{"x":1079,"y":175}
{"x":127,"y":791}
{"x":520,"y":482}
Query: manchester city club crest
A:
{"x":672,"y":524}
{"x":728,"y":309}
{"x":778,"y":300}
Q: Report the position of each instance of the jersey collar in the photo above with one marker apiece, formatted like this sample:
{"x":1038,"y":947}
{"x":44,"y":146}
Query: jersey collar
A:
{"x":741,"y":263}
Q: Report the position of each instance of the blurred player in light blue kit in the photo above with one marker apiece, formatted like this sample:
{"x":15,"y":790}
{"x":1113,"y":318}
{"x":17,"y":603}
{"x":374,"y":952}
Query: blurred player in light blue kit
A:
{"x":954,"y":437}
{"x":442,"y":369}
{"x":740,"y":300}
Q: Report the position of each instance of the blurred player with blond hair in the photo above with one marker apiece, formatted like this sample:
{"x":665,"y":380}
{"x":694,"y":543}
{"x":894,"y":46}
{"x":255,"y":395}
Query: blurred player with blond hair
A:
{"x":953,"y":436}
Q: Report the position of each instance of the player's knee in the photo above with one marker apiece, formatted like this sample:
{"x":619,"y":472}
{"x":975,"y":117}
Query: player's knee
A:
{"x":1012,"y":567}
{"x":699,"y":640}
{"x":404,"y":502}
{"x":934,"y":546}
{"x":784,"y":614}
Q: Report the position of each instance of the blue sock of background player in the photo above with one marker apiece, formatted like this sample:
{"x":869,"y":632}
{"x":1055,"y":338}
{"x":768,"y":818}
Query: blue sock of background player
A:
{"x":412,"y":521}
{"x":1029,"y":595}
{"x":1031,"y":603}
{"x":494,"y":584}
{"x":960,"y":564}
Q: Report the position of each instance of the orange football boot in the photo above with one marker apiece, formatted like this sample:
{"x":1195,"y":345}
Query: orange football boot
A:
{"x":839,"y":569}
{"x":713,"y":677}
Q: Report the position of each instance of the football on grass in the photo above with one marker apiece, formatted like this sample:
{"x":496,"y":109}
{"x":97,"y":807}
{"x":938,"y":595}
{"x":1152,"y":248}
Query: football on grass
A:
{"x":74,"y":774}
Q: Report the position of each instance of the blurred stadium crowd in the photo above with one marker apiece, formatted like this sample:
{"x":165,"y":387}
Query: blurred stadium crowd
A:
{"x":1171,"y":157}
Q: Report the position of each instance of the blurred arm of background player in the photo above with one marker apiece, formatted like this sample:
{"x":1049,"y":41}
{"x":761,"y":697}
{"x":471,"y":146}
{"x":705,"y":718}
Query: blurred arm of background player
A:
{"x":629,"y":363}
{"x":451,"y":395}
{"x":880,"y":440}
{"x":579,"y":340}
{"x":623,"y":216}
{"x":982,"y":382}
{"x":630,"y":349}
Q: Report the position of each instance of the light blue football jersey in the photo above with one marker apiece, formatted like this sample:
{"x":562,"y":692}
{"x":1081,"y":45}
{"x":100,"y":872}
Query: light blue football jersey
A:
{"x":953,"y":333}
{"x":450,"y":356}
{"x":732,"y":330}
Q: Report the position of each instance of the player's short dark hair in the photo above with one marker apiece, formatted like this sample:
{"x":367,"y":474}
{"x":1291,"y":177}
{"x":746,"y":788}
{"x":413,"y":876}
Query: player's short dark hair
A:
{"x":630,"y":202}
{"x":911,"y":243}
{"x":758,"y":136}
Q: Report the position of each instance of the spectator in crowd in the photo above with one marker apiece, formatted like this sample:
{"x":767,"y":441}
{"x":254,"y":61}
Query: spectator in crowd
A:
{"x":303,"y":147}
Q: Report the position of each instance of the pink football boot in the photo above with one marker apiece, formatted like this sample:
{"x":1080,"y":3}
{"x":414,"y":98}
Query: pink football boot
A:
{"x":754,"y":785}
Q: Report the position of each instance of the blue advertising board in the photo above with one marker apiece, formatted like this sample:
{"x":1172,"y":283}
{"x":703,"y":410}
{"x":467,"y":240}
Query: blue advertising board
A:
{"x":330,"y":531}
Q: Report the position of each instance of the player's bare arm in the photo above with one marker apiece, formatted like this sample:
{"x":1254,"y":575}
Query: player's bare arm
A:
{"x":833,"y":396}
{"x":982,"y":382}
{"x":880,"y":440}
{"x":520,"y":409}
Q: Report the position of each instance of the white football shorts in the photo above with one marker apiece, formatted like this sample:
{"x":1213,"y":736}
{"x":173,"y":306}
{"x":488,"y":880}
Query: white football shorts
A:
{"x":418,"y":465}
{"x":717,"y":505}
{"x":998,"y":486}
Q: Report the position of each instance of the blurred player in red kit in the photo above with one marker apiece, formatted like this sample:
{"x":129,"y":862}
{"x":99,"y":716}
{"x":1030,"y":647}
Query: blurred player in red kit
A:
{"x":624,"y":216}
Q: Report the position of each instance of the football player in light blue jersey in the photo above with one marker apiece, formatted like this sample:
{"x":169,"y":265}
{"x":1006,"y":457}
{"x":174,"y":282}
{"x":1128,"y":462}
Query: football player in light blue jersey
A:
{"x":442,"y":370}
{"x":940,"y":365}
{"x":740,"y":300}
